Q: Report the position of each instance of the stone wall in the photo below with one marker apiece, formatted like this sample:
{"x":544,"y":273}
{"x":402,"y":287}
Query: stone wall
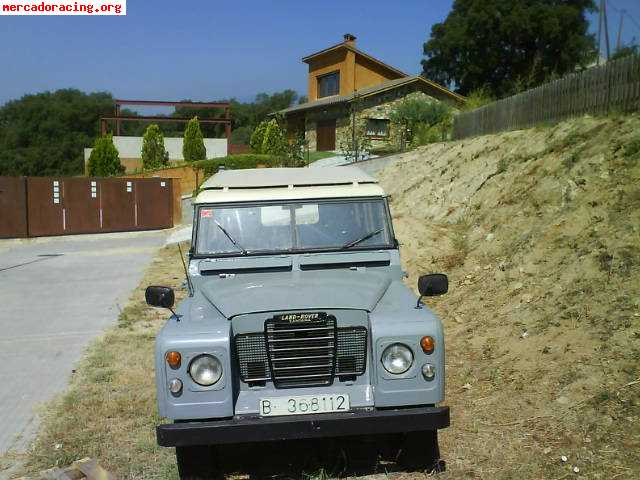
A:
{"x":339,"y":112}
{"x":375,"y":107}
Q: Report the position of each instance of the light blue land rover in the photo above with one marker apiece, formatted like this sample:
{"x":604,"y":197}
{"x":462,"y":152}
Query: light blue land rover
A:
{"x":298,"y":324}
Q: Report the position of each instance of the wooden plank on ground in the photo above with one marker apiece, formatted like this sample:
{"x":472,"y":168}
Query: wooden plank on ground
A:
{"x":85,"y":468}
{"x":92,"y":470}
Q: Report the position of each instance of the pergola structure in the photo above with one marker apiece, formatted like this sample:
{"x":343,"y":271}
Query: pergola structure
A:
{"x":118,"y":118}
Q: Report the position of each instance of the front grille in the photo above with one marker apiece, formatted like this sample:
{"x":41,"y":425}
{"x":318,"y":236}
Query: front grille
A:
{"x":252,"y":357}
{"x":352,"y":351}
{"x":301,"y":350}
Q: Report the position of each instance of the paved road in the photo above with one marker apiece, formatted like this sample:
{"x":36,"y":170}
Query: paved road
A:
{"x":56,"y":295}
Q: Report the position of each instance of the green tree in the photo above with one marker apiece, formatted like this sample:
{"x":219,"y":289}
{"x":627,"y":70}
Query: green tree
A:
{"x":354,"y":143}
{"x":153,"y":152}
{"x":46,"y":133}
{"x":193,"y":145}
{"x":275,"y":139}
{"x":625,"y":51}
{"x":506,"y":45}
{"x":104,"y":160}
{"x":242,"y":135}
{"x":247,"y":116}
{"x":296,"y":148}
{"x":257,"y":137}
{"x":253,"y":113}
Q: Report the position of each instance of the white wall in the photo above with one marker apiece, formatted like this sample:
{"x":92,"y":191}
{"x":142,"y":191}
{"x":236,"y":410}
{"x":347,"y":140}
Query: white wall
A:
{"x":130,"y":147}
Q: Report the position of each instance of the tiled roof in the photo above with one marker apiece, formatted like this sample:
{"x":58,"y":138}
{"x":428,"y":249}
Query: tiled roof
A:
{"x":308,"y":58}
{"x":365,"y":92}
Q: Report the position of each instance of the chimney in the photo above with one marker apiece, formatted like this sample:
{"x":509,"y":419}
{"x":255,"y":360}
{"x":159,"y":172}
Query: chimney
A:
{"x":350,"y":39}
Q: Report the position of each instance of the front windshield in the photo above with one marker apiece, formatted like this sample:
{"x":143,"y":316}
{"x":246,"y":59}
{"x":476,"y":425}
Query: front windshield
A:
{"x":287,"y":227}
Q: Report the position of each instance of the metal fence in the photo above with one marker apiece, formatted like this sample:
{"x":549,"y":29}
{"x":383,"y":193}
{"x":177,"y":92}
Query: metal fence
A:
{"x":13,"y":207}
{"x":612,"y":87}
{"x":40,"y":206}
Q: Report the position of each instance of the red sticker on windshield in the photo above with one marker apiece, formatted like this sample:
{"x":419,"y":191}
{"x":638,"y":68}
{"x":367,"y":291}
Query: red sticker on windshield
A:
{"x":206,"y":213}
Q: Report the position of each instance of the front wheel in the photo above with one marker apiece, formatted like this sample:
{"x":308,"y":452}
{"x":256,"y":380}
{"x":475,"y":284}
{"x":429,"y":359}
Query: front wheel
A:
{"x":197,"y":463}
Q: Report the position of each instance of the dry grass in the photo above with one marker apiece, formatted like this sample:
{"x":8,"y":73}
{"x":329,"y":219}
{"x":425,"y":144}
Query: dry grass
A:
{"x":543,"y":315}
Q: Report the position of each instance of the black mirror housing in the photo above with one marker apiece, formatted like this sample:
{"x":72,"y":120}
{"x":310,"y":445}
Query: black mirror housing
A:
{"x":433,"y":284}
{"x":157,"y":296}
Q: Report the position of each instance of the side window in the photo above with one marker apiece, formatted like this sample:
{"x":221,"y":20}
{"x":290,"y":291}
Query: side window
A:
{"x":329,"y":84}
{"x":378,"y":128}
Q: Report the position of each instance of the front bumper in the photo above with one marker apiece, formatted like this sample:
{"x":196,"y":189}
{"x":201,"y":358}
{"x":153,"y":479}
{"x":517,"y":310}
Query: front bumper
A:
{"x":268,"y":429}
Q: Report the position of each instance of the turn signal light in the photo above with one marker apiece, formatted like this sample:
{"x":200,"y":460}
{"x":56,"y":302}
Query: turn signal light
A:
{"x":173,"y":359}
{"x":428,"y":344}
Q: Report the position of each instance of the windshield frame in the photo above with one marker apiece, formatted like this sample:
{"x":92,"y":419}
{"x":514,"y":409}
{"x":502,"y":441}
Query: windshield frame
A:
{"x":293,"y":251}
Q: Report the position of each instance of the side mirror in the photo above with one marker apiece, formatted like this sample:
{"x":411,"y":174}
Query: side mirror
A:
{"x":432,"y":285}
{"x":160,"y":297}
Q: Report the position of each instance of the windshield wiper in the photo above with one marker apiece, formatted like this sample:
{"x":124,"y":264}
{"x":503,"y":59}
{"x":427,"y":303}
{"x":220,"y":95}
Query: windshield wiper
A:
{"x":231,"y":239}
{"x":362,"y":239}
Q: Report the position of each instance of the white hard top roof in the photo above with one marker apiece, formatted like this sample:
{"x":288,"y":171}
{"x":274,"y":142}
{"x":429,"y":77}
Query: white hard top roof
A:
{"x":283,"y":177}
{"x":288,"y":184}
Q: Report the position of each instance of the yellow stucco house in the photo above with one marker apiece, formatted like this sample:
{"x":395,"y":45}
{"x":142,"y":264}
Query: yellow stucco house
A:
{"x":344,"y":79}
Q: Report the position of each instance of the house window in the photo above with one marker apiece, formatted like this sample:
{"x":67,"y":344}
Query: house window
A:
{"x":329,"y":84}
{"x":377,"y":127}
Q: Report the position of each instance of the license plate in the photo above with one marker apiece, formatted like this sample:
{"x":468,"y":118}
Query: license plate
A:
{"x":302,"y":405}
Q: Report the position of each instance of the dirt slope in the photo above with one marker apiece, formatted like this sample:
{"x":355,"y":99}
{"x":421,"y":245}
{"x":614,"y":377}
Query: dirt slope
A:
{"x":539,"y":231}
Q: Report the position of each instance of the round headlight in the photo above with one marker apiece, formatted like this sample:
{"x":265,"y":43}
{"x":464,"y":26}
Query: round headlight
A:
{"x":397,"y":358}
{"x":205,"y":370}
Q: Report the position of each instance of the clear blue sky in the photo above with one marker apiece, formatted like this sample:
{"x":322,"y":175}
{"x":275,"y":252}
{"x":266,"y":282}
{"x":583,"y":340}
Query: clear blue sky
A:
{"x":207,"y":51}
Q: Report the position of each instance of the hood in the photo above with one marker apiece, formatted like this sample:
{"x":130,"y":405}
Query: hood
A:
{"x":297,"y":290}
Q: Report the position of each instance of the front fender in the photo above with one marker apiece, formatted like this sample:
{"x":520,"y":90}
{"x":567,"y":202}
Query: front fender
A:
{"x":201,"y":329}
{"x":395,"y":319}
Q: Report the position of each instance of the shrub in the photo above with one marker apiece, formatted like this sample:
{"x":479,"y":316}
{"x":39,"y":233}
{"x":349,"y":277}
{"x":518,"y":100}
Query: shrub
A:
{"x":153,"y":152}
{"x":477,"y":98}
{"x":413,"y":111}
{"x":416,"y":115}
{"x":384,"y":150}
{"x":632,"y":148}
{"x":104,"y":160}
{"x":193,"y":144}
{"x":423,"y":134}
{"x":257,"y":137}
{"x":275,"y":140}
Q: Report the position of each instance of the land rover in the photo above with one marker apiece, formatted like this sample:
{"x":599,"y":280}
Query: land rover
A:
{"x":298,"y":325}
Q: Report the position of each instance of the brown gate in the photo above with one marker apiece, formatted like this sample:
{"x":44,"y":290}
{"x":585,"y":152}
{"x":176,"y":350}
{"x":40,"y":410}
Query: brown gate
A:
{"x":326,"y":135}
{"x":154,"y":203}
{"x":45,"y":208}
{"x":39,"y":206}
{"x":13,"y":207}
{"x":82,"y":205}
{"x":118,"y":204}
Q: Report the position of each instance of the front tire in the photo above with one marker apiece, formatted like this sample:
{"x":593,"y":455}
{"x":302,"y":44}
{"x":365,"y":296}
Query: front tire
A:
{"x":420,"y":451}
{"x":197,"y":463}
